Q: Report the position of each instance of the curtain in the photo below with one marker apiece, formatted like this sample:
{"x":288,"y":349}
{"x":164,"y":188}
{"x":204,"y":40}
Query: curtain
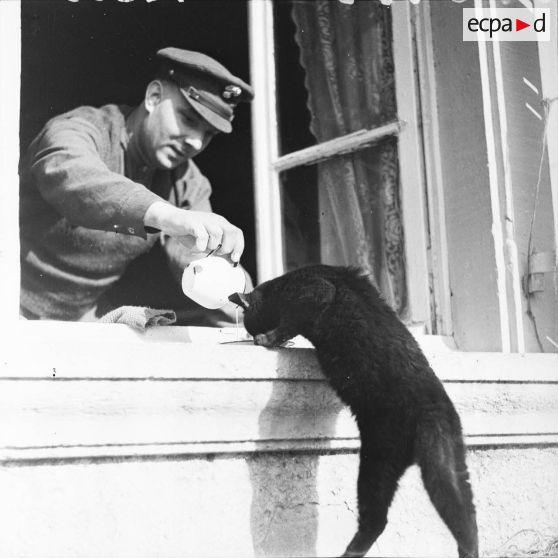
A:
{"x":345,"y":51}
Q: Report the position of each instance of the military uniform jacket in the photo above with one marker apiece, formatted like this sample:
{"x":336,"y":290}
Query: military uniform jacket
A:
{"x":82,"y":207}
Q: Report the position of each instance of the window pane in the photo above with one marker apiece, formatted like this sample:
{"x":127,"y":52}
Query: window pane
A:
{"x":334,"y":70}
{"x":346,"y":211}
{"x":300,"y":211}
{"x":292,"y":97}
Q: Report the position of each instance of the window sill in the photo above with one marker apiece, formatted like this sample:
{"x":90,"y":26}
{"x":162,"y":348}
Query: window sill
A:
{"x":102,"y":391}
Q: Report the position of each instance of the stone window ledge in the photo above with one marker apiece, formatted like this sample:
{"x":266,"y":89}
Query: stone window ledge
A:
{"x":97,"y":391}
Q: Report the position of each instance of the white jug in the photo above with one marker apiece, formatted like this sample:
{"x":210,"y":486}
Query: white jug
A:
{"x":210,"y":281}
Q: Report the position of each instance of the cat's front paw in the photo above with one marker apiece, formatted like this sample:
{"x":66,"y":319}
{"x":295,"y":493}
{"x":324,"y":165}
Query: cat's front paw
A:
{"x":263,"y":340}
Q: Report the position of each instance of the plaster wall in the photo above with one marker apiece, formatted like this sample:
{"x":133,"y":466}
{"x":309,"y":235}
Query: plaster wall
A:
{"x":267,"y":504}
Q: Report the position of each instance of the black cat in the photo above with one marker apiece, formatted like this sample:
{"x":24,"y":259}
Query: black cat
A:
{"x":377,"y":368}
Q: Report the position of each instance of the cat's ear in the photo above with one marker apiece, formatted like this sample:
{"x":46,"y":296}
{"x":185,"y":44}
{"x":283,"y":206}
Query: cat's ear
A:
{"x":318,"y":293}
{"x":240,"y":299}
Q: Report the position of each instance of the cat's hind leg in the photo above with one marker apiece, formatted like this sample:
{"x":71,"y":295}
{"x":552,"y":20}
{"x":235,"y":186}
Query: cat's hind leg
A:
{"x":441,"y":458}
{"x":379,"y":473}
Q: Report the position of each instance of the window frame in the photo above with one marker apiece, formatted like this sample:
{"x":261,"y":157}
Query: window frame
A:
{"x":496,"y":177}
{"x":420,"y":150}
{"x":548,"y":57}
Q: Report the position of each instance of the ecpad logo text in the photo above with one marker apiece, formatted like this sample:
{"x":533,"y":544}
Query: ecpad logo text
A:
{"x":506,"y":24}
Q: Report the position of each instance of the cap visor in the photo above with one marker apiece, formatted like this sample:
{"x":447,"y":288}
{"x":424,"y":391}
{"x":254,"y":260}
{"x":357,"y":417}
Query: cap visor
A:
{"x":222,"y":124}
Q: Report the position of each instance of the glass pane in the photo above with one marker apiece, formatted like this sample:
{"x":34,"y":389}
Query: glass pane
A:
{"x":346,"y":211}
{"x":334,"y":70}
{"x":300,"y":211}
{"x":292,"y":97}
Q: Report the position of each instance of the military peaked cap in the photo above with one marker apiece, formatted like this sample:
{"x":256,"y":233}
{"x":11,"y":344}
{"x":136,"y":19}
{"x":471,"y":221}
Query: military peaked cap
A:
{"x":210,"y":89}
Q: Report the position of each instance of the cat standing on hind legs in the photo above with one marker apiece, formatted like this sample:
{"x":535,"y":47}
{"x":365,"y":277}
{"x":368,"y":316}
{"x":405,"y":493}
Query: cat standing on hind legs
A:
{"x":403,"y":413}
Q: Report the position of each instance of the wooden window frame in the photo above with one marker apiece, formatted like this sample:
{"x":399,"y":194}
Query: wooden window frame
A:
{"x":548,"y":54}
{"x":509,"y":308}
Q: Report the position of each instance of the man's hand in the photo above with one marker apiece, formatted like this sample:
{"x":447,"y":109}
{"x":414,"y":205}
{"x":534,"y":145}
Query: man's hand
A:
{"x":197,"y":230}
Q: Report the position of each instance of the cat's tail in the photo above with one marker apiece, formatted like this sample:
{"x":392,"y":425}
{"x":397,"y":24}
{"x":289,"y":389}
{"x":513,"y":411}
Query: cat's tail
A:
{"x":440,"y":454}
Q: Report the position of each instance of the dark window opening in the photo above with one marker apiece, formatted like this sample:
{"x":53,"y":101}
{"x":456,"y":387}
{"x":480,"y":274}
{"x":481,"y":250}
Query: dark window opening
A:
{"x":95,"y":53}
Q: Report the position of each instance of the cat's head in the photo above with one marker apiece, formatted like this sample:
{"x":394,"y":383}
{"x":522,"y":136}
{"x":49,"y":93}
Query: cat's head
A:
{"x":294,"y":301}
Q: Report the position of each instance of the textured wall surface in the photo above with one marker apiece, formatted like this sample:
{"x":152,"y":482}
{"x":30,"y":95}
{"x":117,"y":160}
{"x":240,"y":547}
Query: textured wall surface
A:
{"x":257,"y":505}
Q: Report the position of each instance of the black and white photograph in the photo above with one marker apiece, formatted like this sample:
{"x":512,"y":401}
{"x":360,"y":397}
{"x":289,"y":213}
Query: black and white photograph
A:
{"x":279,"y":278}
